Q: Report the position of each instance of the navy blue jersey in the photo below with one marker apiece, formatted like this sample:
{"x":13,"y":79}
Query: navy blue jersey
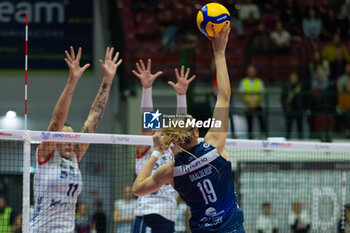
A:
{"x":206,"y":184}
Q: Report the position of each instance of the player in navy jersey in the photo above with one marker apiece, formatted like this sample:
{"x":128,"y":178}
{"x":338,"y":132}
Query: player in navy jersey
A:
{"x":201,"y":172}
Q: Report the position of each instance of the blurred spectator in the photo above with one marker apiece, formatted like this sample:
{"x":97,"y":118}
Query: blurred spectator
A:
{"x":259,"y":43}
{"x":311,"y":4}
{"x":299,"y":220}
{"x":343,"y":79}
{"x":343,"y":109}
{"x":147,"y":27}
{"x":187,"y":28}
{"x":345,"y":23}
{"x":140,"y":5}
{"x":337,"y":67}
{"x":17,"y":224}
{"x":344,"y":9}
{"x":124,"y":211}
{"x":319,"y":72}
{"x":82,"y":219}
{"x":168,"y":30}
{"x":344,"y":224}
{"x":266,"y":5}
{"x":252,"y":90}
{"x":249,"y":12}
{"x":236,"y":23}
{"x":182,"y":216}
{"x":290,"y":15}
{"x":265,"y":223}
{"x":330,"y":24}
{"x":292,"y":102}
{"x":280,"y":39}
{"x":312,"y":25}
{"x":99,"y":219}
{"x":7,"y":216}
{"x":329,"y":52}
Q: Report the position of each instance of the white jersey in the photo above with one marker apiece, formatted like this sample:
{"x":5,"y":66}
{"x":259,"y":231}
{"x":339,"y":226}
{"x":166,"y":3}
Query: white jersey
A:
{"x":162,"y":201}
{"x":57,"y":185}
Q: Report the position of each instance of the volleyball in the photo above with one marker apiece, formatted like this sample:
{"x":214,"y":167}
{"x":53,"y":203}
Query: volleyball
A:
{"x":212,"y":14}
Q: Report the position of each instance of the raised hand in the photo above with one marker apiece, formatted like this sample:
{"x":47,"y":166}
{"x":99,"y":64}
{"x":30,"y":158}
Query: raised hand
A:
{"x":157,"y":140}
{"x":73,"y":62}
{"x":219,"y":41}
{"x":182,"y":80}
{"x":110,"y":66}
{"x":144,"y":74}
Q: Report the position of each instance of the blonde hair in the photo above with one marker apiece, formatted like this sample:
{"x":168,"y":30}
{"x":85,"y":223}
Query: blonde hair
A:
{"x":181,"y":134}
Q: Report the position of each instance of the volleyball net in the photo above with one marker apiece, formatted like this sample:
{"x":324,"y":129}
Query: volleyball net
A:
{"x":275,"y":181}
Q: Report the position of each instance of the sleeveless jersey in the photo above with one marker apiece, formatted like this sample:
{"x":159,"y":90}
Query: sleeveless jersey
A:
{"x":162,"y":201}
{"x":57,"y":185}
{"x":208,"y":192}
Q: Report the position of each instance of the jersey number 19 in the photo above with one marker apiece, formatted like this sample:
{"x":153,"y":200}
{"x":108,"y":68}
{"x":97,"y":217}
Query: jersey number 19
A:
{"x":207,"y":190}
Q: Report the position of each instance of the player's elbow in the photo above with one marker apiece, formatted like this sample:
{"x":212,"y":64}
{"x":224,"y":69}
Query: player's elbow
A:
{"x":137,"y":190}
{"x":225,"y":95}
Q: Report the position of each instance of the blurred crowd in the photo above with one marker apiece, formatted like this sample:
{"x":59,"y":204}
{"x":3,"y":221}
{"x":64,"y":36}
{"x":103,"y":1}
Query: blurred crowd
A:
{"x":315,"y":80}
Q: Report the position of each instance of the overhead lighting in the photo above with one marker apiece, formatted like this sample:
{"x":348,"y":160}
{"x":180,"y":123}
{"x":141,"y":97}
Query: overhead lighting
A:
{"x":11,"y":114}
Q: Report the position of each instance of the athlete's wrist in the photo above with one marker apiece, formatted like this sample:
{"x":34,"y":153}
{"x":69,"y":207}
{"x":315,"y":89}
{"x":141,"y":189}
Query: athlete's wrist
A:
{"x":156,"y":153}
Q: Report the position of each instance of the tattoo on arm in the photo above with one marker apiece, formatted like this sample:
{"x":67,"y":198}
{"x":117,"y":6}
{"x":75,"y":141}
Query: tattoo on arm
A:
{"x":97,"y":110}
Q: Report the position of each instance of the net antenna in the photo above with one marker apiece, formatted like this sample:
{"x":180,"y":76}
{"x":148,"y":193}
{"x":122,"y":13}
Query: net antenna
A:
{"x":26,"y":148}
{"x":26,"y":74}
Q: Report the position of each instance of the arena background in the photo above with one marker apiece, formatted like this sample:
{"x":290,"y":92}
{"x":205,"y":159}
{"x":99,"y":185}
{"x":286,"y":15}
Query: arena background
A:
{"x":136,"y":36}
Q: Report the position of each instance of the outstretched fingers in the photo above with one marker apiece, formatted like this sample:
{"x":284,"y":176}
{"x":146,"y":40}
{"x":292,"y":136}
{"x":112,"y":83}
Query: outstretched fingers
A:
{"x":115,"y":59}
{"x":138,"y":67}
{"x":182,"y":71}
{"x":177,"y":74}
{"x":85,"y":66}
{"x":142,"y":65}
{"x":187,"y":73}
{"x":136,"y":74}
{"x":72,"y":54}
{"x":156,"y":75}
{"x":172,"y":84}
{"x":191,"y":79}
{"x":79,"y":54}
{"x":149,"y":64}
{"x":68,"y":58}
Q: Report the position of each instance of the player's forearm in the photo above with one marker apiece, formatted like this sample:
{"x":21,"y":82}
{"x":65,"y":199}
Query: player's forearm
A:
{"x":223,"y":81}
{"x":60,"y":112}
{"x":146,"y":100}
{"x":145,"y":172}
{"x":98,"y":107}
{"x":181,"y":104}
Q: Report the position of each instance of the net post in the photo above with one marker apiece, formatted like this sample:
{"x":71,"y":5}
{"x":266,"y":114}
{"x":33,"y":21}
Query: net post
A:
{"x":26,"y":182}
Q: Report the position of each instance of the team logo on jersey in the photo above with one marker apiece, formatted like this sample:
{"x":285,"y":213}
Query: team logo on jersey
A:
{"x":64,"y":174}
{"x":210,"y":211}
{"x":156,"y":166}
{"x":151,"y":120}
{"x":206,"y":145}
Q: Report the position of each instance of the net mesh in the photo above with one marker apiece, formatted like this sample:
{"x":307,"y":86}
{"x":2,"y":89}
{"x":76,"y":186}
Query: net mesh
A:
{"x":276,"y":184}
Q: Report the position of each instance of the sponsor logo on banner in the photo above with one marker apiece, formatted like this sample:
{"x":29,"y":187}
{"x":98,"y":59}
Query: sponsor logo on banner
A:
{"x":322,"y":147}
{"x":48,"y":135}
{"x":115,"y":139}
{"x":230,"y":144}
{"x":6,"y":134}
{"x":266,"y":144}
{"x":45,"y":135}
